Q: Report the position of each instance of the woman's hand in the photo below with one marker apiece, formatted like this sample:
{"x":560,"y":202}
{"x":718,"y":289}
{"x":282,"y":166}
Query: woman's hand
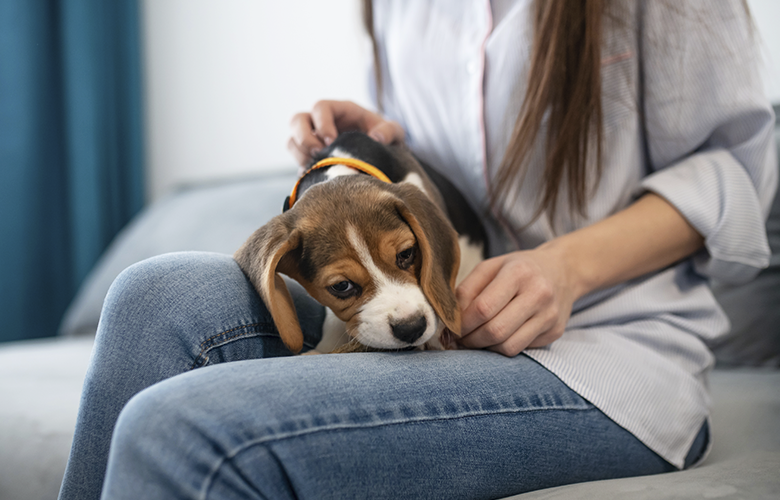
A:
{"x":310,"y":132}
{"x":515,"y":301}
{"x":524,"y":299}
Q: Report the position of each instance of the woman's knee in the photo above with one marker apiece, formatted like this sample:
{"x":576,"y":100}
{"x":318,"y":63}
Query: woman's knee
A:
{"x":170,"y":441}
{"x":173,"y":277}
{"x":174,"y":302}
{"x":179,"y":290}
{"x":202,"y":285}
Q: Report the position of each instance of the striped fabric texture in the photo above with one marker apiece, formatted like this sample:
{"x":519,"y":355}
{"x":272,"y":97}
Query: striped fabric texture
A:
{"x":685,"y":117}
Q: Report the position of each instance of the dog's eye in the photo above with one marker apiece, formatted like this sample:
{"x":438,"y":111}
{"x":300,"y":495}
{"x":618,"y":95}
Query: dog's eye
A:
{"x":344,"y":289}
{"x":405,"y":258}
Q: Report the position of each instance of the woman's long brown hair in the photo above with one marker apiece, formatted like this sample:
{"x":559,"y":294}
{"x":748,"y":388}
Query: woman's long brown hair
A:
{"x":564,"y":86}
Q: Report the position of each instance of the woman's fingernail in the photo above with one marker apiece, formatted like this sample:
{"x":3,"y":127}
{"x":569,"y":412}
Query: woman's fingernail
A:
{"x":328,"y":141}
{"x":378,"y":137}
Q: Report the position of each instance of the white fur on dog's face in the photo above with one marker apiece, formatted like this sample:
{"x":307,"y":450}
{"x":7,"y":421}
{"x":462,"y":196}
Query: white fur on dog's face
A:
{"x":393,"y":301}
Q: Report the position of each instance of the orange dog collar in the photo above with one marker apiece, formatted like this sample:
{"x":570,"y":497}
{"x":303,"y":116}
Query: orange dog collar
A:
{"x":327,"y":162}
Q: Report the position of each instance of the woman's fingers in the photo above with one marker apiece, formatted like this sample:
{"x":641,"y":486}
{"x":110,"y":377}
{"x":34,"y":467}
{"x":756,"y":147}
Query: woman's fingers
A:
{"x":493,"y":284}
{"x":324,"y":115}
{"x":303,"y":142}
{"x":529,"y":314}
{"x":310,"y":132}
{"x":536,"y":332}
{"x":387,"y":132}
{"x":346,"y":115}
{"x":513,"y":302}
{"x":497,"y":330}
{"x":474,"y":312}
{"x":526,"y":338}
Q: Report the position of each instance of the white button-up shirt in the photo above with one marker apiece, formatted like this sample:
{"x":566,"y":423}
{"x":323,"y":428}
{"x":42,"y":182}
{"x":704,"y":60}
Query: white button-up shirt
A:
{"x":684,"y":116}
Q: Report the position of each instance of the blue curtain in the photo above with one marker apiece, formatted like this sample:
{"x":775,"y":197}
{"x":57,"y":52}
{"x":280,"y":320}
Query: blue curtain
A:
{"x":71,"y":152}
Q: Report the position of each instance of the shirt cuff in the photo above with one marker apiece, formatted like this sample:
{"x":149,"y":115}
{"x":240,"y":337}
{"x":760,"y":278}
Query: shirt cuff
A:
{"x":715,"y":194}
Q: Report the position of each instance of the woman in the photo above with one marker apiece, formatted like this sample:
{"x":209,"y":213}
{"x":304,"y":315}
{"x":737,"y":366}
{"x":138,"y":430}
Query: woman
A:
{"x":620,"y":153}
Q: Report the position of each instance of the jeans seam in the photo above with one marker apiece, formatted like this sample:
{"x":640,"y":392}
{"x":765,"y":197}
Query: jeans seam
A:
{"x":347,"y":426}
{"x":207,"y":345}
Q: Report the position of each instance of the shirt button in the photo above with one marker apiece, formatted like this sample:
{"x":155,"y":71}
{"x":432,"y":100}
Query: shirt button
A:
{"x":472,"y":67}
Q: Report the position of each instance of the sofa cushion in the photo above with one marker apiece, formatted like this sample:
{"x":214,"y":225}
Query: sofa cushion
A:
{"x":754,"y":308}
{"x":212,"y":218}
{"x":40,"y":389}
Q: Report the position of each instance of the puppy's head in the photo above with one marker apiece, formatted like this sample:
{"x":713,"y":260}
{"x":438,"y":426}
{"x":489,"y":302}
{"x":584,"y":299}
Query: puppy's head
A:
{"x":382,"y":257}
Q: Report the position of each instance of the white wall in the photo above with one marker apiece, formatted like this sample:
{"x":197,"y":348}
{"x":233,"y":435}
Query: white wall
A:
{"x":224,"y":77}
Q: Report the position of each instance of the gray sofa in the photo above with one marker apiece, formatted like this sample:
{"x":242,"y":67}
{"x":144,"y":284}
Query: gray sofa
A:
{"x":40,"y":380}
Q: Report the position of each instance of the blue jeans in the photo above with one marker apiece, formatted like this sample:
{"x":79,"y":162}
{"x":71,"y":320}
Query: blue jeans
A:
{"x":178,"y":380}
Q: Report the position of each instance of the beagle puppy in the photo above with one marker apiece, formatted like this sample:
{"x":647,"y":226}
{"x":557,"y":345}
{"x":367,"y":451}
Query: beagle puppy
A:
{"x":377,"y":238}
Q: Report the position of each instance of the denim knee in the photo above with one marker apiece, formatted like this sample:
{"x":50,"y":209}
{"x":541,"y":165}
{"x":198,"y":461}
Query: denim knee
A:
{"x":169,"y":443}
{"x":181,"y":292}
{"x":169,"y":279}
{"x":198,"y":293}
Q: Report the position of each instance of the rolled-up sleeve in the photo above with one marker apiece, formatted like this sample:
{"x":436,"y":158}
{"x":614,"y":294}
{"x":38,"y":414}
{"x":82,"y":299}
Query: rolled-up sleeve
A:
{"x":709,"y":130}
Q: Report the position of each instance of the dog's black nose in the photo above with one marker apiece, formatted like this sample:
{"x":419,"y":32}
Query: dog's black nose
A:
{"x":410,"y":329}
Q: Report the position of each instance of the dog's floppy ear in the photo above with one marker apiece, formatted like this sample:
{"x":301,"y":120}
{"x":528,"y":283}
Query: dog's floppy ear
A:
{"x":440,"y":253}
{"x":266,"y":253}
